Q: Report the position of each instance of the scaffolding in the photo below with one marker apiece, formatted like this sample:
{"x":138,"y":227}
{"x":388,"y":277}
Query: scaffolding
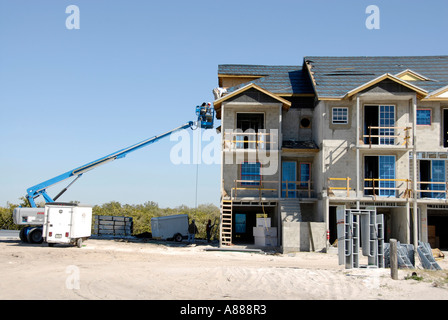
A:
{"x":360,"y":228}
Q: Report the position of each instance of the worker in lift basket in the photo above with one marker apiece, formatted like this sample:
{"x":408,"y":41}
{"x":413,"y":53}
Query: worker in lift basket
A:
{"x":205,"y":111}
{"x":192,"y":230}
{"x":205,"y":108}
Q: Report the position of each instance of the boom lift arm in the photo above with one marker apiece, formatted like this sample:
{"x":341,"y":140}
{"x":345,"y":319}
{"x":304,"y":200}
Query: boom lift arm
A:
{"x":205,"y":115}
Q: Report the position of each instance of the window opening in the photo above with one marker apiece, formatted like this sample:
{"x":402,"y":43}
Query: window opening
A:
{"x":340,"y":115}
{"x":250,"y":171}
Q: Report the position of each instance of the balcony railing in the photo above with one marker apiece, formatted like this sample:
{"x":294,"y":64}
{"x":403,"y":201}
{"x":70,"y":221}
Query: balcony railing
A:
{"x":395,"y":188}
{"x":250,"y":141}
{"x":339,"y":187}
{"x":297,"y":189}
{"x":432,"y":190}
{"x":338,"y":184}
{"x":255,"y":188}
{"x":388,"y":136}
{"x":269,"y":189}
{"x":392,"y":188}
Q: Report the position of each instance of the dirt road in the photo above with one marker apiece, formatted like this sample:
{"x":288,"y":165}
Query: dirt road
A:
{"x":108,"y":269}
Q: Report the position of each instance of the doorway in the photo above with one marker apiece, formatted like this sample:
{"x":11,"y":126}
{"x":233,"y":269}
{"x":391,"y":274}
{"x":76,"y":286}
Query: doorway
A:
{"x":438,"y":229}
{"x":289,"y":173}
{"x":250,"y":124}
{"x":379,"y":121}
{"x":371,"y":120}
{"x":425,"y":176}
{"x":332,"y":224}
{"x":445,"y":128}
{"x":245,"y":219}
{"x":432,"y":171}
{"x":379,"y":175}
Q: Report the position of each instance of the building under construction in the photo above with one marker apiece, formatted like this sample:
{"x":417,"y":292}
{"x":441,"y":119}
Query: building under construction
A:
{"x":353,"y":132}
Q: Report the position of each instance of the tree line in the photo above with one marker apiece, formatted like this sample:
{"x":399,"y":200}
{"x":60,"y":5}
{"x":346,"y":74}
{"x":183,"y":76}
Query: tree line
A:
{"x":141,"y":214}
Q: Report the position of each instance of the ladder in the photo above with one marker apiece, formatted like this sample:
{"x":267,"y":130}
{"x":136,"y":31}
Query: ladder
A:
{"x":226,"y":223}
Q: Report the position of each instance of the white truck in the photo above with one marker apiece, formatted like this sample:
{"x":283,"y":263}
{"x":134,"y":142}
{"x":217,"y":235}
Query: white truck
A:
{"x":170,"y":227}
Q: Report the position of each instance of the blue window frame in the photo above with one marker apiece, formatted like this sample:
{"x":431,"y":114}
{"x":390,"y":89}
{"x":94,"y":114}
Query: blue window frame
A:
{"x":340,"y":116}
{"x":387,"y":119}
{"x":289,"y":173}
{"x":386,"y":171}
{"x":251,"y":171}
{"x":438,"y":175}
{"x":305,"y":174}
{"x":423,"y":117}
{"x":240,"y":223}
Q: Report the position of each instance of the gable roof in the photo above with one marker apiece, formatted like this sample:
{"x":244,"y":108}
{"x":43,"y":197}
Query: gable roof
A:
{"x":334,"y":77}
{"x":419,"y":91}
{"x":280,"y":80}
{"x":439,"y":94}
{"x":217,"y":103}
{"x":410,"y":75}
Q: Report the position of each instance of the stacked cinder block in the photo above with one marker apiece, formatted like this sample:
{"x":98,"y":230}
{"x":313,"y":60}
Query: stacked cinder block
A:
{"x":116,"y":226}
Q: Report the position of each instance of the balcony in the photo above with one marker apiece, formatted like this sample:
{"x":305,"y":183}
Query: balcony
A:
{"x":432,"y":190}
{"x":338,"y":185}
{"x":376,"y":188}
{"x":387,"y":137}
{"x":258,"y":141}
{"x":389,"y":188}
{"x":270,"y":189}
{"x":298,"y":189}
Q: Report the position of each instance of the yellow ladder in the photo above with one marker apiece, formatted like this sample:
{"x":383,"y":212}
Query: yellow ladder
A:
{"x":226,"y":223}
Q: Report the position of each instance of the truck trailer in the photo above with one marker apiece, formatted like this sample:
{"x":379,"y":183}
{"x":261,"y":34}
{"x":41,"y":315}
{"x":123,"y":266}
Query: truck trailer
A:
{"x":170,"y":227}
{"x":67,"y":223}
{"x":57,"y":222}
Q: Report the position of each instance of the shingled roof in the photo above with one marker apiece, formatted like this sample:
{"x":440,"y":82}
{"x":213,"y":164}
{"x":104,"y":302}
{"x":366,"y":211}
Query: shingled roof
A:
{"x":334,"y":77}
{"x":276,"y":79}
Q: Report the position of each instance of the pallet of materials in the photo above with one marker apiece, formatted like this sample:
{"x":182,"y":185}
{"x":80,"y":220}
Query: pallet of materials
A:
{"x":113,"y":226}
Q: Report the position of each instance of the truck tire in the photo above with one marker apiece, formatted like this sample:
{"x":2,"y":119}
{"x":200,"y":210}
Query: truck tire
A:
{"x":178,"y":237}
{"x":79,"y":242}
{"x":22,"y":235}
{"x":35,"y":236}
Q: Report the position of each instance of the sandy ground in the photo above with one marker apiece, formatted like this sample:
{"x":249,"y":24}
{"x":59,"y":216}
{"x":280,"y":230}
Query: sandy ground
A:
{"x":110,"y":269}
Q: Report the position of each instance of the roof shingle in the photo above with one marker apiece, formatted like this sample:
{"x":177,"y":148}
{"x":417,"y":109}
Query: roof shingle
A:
{"x":335,"y":76}
{"x":276,"y":79}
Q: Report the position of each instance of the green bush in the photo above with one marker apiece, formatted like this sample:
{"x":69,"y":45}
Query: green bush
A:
{"x":141,"y":214}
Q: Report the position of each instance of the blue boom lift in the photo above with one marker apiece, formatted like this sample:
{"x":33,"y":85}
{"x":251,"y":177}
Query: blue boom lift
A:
{"x":33,"y":217}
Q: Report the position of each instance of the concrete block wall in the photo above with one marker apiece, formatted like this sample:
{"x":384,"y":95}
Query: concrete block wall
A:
{"x":430,"y":138}
{"x":338,"y":153}
{"x":270,"y":110}
{"x":291,"y":128}
{"x":231,"y":172}
{"x":232,"y":159}
{"x":297,"y":236}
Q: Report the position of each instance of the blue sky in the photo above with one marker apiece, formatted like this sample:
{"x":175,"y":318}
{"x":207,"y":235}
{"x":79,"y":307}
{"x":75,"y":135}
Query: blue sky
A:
{"x":136,"y":69}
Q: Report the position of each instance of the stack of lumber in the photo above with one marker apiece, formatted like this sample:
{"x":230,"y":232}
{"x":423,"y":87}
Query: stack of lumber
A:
{"x":437,"y":254}
{"x":116,"y":226}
